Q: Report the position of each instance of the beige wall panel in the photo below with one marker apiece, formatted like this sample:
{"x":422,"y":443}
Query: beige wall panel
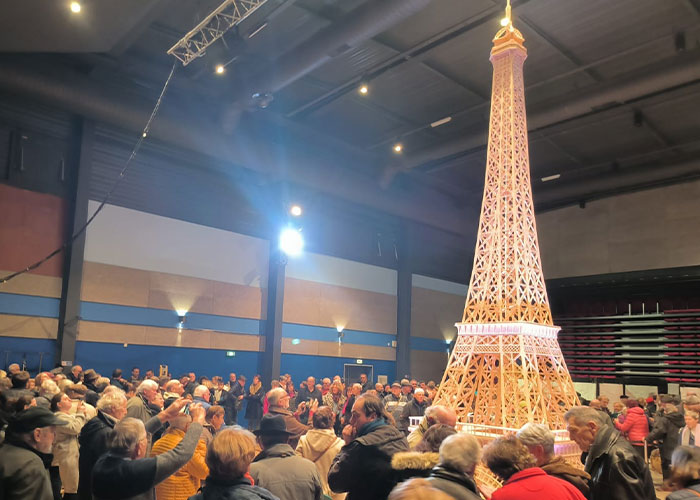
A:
{"x":311,"y":303}
{"x":233,"y":342}
{"x":434,"y":314}
{"x":28,"y":326}
{"x":428,"y":365}
{"x":32,"y":284}
{"x":309,"y":347}
{"x":93,"y":331}
{"x":238,"y":300}
{"x":170,"y":291}
{"x":646,"y":230}
{"x":115,"y":285}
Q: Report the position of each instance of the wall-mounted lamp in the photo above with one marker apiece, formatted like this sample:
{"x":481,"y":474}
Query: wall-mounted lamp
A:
{"x":180,"y":319}
{"x":359,"y":361}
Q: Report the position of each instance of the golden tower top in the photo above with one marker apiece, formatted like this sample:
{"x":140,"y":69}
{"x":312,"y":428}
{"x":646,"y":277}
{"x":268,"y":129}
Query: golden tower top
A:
{"x":507,"y":284}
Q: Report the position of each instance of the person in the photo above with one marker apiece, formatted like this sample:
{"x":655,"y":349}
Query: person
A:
{"x":25,"y":455}
{"x":13,"y":368}
{"x":77,"y":393}
{"x":454,"y":474}
{"x":634,"y":426}
{"x":419,"y":462}
{"x":173,"y":391}
{"x":186,"y":481}
{"x":597,"y":405}
{"x":124,"y":472}
{"x":278,"y":469}
{"x":379,"y":387}
{"x":335,"y":400}
{"x":617,"y":471}
{"x":436,"y":414}
{"x":228,"y":457}
{"x":417,"y":489}
{"x":218,"y":392}
{"x":233,"y":400}
{"x":278,"y":401}
{"x":414,"y":408}
{"x":685,"y":473}
{"x":201,"y":395}
{"x":214,"y":420}
{"x":326,"y":386}
{"x":666,"y":432}
{"x":139,"y":406}
{"x":65,"y":446}
{"x":690,"y":434}
{"x":618,"y":410}
{"x":135,"y":376}
{"x":354,"y":392}
{"x":111,"y":408}
{"x":365,"y":383}
{"x":307,"y":393}
{"x":75,"y":374}
{"x":253,"y":410}
{"x":320,"y":445}
{"x":363,"y":466}
{"x":540,"y":442}
{"x":117,"y":379}
{"x":510,"y":460}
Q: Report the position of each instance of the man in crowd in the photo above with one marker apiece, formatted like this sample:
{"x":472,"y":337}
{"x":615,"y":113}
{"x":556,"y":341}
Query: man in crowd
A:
{"x":379,"y":387}
{"x":173,"y":391}
{"x":325,"y":387}
{"x":598,"y":406}
{"x":414,"y":408}
{"x":190,"y":384}
{"x":363,"y":466}
{"x":75,"y":374}
{"x":406,"y":389}
{"x":540,"y":441}
{"x":356,"y":392}
{"x":20,"y":381}
{"x":278,"y":469}
{"x":124,"y":472}
{"x":617,"y":471}
{"x":232,"y":404}
{"x":135,"y":376}
{"x":436,"y":414}
{"x":278,"y":401}
{"x":201,"y":395}
{"x":25,"y":455}
{"x":366,"y":384}
{"x":394,"y":402}
{"x":138,"y":406}
{"x":307,"y":394}
{"x":12,"y":369}
{"x":218,"y":392}
{"x":665,"y":431}
{"x":459,"y":455}
{"x":117,"y":379}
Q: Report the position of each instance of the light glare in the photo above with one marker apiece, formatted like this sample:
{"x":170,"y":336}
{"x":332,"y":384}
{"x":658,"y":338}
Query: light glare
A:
{"x":295,"y":210}
{"x":75,"y":7}
{"x":220,"y":69}
{"x":505,"y":21}
{"x":291,"y":242}
{"x":364,"y":89}
{"x":398,"y":148}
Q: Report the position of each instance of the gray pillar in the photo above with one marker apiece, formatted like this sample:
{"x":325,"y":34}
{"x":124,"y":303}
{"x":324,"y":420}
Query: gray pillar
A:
{"x":271,"y":357}
{"x":69,"y":310}
{"x":403,"y":313}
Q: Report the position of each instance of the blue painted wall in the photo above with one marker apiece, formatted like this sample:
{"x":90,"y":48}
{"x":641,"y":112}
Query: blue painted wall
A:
{"x":301,"y":366}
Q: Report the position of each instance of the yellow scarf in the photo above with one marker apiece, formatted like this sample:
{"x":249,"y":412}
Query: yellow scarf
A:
{"x":255,"y":387}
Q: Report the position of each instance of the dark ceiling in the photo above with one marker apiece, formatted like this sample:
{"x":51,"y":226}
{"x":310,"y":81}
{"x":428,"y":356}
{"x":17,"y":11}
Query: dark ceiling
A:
{"x":612,"y":91}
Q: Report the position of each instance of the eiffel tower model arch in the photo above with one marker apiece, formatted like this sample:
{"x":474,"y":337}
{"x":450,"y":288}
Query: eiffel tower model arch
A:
{"x":506,"y":368}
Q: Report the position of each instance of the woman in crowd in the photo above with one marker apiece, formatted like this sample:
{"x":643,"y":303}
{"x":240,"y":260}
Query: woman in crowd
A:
{"x":690,"y":434}
{"x":228,"y":457}
{"x":215,"y":420}
{"x":254,"y":408}
{"x":685,"y":473}
{"x":509,"y":459}
{"x":335,"y":400}
{"x":459,"y":456}
{"x":65,"y":447}
{"x":320,"y":445}
{"x":634,"y":426}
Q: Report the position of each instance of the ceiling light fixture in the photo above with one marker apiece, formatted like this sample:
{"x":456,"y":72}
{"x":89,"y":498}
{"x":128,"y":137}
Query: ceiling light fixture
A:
{"x":398,"y":147}
{"x":75,"y":7}
{"x":364,"y":89}
{"x":220,"y":69}
{"x":447,"y":119}
{"x":551,"y":178}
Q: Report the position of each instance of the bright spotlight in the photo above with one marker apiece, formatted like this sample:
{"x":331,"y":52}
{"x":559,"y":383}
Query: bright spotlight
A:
{"x":364,"y":89}
{"x":220,"y":69}
{"x":295,"y":210}
{"x":398,"y":147}
{"x":291,"y":242}
{"x":75,"y":7}
{"x":505,"y":21}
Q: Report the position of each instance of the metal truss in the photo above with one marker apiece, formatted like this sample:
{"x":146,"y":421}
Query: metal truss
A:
{"x":194,"y":44}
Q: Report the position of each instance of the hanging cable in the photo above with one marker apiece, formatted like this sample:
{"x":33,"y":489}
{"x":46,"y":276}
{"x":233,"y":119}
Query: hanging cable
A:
{"x":122,"y":174}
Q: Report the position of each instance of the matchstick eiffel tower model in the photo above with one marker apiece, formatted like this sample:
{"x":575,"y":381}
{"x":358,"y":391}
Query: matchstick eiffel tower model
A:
{"x":506,"y":368}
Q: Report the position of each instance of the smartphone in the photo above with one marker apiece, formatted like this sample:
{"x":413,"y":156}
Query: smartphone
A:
{"x":185,"y":409}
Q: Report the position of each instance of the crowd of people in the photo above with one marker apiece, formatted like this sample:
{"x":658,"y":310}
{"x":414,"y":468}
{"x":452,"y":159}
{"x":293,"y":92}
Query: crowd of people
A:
{"x":79,"y":435}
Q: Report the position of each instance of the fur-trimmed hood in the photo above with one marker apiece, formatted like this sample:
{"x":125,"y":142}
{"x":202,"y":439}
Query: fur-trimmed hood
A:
{"x":408,"y":464}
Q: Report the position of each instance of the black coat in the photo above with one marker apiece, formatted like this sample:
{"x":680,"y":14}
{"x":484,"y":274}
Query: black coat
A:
{"x":666,"y":428}
{"x":93,"y":444}
{"x":453,"y":482}
{"x":254,"y":408}
{"x":363,"y":466}
{"x":617,"y":471}
{"x":232,"y":489}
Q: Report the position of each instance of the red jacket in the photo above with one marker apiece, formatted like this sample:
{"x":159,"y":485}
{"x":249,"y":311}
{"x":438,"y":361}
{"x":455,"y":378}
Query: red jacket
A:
{"x":635,"y":426}
{"x":535,"y":484}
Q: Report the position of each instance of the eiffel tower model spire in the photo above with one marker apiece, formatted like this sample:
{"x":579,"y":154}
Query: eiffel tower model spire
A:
{"x":506,"y":368}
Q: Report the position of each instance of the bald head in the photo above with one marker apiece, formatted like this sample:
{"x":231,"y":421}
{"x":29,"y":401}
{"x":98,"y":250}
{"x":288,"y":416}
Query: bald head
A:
{"x":439,"y":414}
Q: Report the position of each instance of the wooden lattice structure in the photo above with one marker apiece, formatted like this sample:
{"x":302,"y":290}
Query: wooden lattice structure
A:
{"x":506,"y":368}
